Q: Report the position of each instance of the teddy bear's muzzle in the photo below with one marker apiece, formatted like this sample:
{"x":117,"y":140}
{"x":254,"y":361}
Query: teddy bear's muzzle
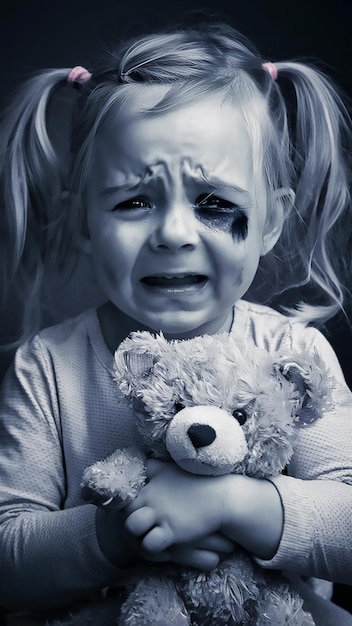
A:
{"x":206,"y":440}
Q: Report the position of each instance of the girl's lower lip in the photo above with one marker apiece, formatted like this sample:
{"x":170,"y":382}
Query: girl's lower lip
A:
{"x":174,"y":284}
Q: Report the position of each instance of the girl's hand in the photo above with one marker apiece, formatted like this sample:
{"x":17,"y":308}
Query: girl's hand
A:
{"x":204,"y":554}
{"x":123,"y":549}
{"x":176,"y":507}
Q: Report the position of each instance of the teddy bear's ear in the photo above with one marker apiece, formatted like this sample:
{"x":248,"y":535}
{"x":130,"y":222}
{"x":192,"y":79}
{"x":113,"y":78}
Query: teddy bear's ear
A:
{"x":138,"y":364}
{"x":311,"y":383}
{"x":137,"y":354}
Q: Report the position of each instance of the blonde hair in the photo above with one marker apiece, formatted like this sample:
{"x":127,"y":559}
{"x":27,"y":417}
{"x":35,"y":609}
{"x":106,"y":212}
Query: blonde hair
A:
{"x":302,"y":145}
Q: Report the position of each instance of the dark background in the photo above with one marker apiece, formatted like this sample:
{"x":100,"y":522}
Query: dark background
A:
{"x":42,"y":34}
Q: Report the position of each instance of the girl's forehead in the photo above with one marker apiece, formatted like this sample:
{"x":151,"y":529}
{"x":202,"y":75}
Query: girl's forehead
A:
{"x":203,"y":136}
{"x":142,"y":105}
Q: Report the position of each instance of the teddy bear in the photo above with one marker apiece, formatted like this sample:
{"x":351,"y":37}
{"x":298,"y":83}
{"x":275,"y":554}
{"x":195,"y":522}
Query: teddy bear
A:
{"x":214,"y":406}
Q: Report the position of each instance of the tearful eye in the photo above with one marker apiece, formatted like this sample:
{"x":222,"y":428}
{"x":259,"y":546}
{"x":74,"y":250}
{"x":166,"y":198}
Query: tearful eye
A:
{"x":179,"y":406}
{"x":223,"y":213}
{"x":211,"y":202}
{"x":132,"y":203}
{"x":240,"y":415}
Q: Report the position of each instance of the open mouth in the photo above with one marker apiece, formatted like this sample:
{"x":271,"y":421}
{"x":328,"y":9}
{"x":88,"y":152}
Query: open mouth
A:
{"x":180,"y":281}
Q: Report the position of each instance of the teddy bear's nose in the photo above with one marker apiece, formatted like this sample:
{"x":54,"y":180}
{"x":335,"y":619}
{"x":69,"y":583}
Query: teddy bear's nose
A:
{"x":201,"y":435}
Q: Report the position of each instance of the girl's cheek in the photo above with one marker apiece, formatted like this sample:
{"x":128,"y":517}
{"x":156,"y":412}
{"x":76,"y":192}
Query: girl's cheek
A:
{"x":110,"y":271}
{"x":238,"y":277}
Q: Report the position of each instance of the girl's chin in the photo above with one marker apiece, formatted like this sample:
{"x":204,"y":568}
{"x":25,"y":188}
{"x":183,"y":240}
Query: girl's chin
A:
{"x":174,"y":325}
{"x":186,"y":329}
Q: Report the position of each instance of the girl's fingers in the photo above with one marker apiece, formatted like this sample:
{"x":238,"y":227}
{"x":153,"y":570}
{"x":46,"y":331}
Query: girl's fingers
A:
{"x":158,"y":539}
{"x":204,"y":554}
{"x":140,"y":521}
{"x":217,"y":543}
{"x":159,"y":557}
{"x":189,"y":557}
{"x":193,"y":557}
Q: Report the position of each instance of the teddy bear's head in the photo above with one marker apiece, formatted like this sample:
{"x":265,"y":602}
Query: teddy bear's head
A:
{"x":214,"y":406}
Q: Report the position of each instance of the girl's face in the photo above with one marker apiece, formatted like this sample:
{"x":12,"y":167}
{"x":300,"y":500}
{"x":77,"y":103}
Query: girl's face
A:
{"x":175,"y":216}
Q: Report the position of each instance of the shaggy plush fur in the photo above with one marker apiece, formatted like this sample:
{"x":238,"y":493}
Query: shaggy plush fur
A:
{"x":253,"y":404}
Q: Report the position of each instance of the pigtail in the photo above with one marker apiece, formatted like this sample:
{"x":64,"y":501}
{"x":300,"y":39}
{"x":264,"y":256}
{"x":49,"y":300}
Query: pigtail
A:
{"x":321,"y":144}
{"x":30,"y":186}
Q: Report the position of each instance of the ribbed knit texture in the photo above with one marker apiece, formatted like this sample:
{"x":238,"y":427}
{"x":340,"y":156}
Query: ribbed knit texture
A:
{"x":60,"y":411}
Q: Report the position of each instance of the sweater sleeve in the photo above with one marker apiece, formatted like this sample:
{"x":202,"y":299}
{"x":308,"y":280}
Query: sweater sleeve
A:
{"x":49,"y":555}
{"x":317,"y":493}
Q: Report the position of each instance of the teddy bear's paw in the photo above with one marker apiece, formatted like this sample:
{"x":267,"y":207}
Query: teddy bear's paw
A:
{"x":154,"y":602}
{"x":281,"y":606}
{"x":229,"y":591}
{"x":117,"y":478}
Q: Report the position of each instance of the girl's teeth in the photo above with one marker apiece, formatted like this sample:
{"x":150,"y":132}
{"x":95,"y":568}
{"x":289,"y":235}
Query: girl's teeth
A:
{"x":187,"y":279}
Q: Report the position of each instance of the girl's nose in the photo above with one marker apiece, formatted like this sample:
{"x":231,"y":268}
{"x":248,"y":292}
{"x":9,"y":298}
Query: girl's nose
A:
{"x":176,"y":229}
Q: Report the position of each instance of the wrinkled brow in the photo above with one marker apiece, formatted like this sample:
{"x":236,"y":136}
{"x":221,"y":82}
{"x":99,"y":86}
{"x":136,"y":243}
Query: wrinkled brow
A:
{"x":196,"y":172}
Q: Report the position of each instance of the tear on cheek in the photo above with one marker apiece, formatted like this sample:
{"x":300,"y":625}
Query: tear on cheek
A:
{"x":239,"y":227}
{"x":236,"y":225}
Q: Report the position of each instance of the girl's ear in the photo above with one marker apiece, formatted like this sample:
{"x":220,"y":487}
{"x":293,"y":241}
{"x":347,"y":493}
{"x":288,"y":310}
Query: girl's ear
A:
{"x":281,"y":204}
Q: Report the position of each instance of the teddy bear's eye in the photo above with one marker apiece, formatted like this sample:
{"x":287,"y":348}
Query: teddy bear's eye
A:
{"x":179,"y":406}
{"x":240,"y":415}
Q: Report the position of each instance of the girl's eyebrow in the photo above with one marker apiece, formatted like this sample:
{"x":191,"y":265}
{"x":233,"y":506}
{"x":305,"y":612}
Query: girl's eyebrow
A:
{"x":197,"y":173}
{"x":216,"y":182}
{"x":123,"y":187}
{"x":212,"y":181}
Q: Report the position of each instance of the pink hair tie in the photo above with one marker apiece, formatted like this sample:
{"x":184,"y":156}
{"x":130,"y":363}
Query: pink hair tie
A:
{"x":78,"y":74}
{"x":271,"y":69}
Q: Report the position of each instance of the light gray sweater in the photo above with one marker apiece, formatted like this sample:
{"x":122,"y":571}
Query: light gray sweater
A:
{"x":60,"y":411}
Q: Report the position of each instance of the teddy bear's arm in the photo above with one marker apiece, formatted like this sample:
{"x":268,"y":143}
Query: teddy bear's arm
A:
{"x":117,"y":478}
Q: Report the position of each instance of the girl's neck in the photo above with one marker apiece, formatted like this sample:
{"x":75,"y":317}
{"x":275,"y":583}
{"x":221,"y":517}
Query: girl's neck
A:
{"x":116,"y":325}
